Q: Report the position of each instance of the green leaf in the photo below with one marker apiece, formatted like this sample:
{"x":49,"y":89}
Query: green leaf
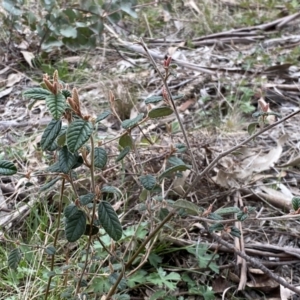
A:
{"x":227,"y":210}
{"x":296,"y":203}
{"x":50,"y":250}
{"x":235,"y":232}
{"x":51,"y":274}
{"x":78,"y":133}
{"x":160,"y":112}
{"x":11,"y":8}
{"x":112,"y":279}
{"x":126,"y":140}
{"x":86,"y":199}
{"x":68,"y":31}
{"x":153,"y":99}
{"x":75,"y":226}
{"x":56,"y":105}
{"x":214,"y":216}
{"x":175,"y":161}
{"x":190,"y":207}
{"x":55,"y":168}
{"x":126,"y":6}
{"x":7,"y":168}
{"x":216,"y":227}
{"x":88,"y":231}
{"x":111,"y":190}
{"x":148,"y":181}
{"x":161,"y":278}
{"x":50,"y":134}
{"x":37,"y":94}
{"x":174,"y":169}
{"x":123,"y":153}
{"x":241,"y":216}
{"x":103,"y":116}
{"x":66,"y":93}
{"x":181,"y":148}
{"x":252,"y":128}
{"x":163,"y":212}
{"x":49,"y":184}
{"x":14,"y":258}
{"x":66,"y":159}
{"x":100,"y":157}
{"x":159,"y":294}
{"x":70,"y":211}
{"x":109,"y":220}
{"x":126,"y":124}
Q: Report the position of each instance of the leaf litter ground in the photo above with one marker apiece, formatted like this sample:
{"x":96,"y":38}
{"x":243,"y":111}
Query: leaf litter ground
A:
{"x":221,"y":80}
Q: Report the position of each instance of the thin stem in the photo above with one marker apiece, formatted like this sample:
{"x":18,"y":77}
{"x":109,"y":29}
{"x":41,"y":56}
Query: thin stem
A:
{"x":92,"y":167}
{"x":56,"y":234}
{"x":137,"y":252}
{"x":164,"y":79}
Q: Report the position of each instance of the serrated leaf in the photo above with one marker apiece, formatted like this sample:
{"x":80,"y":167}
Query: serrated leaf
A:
{"x":252,"y":128}
{"x":153,"y":99}
{"x":86,"y":199}
{"x":126,"y":124}
{"x":241,"y":216}
{"x":109,"y":220}
{"x":78,"y":133}
{"x":160,"y":112}
{"x":75,"y":226}
{"x":56,"y":105}
{"x":296,"y":203}
{"x":126,"y":140}
{"x":50,"y":134}
{"x":66,"y":159}
{"x":70,"y":211}
{"x":216,"y":227}
{"x":148,"y":181}
{"x":190,"y":207}
{"x":7,"y":168}
{"x":49,"y":184}
{"x":37,"y":93}
{"x":234,"y":231}
{"x":123,"y":153}
{"x":174,"y":169}
{"x":50,"y":250}
{"x":66,"y":93}
{"x":111,"y":190}
{"x":14,"y":258}
{"x":103,"y":116}
{"x":100,"y":157}
{"x":55,"y":168}
{"x":227,"y":210}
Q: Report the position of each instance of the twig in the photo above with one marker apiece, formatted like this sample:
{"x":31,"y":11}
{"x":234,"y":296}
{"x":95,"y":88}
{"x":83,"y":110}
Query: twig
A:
{"x":56,"y":235}
{"x":225,"y":153}
{"x":254,"y":262}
